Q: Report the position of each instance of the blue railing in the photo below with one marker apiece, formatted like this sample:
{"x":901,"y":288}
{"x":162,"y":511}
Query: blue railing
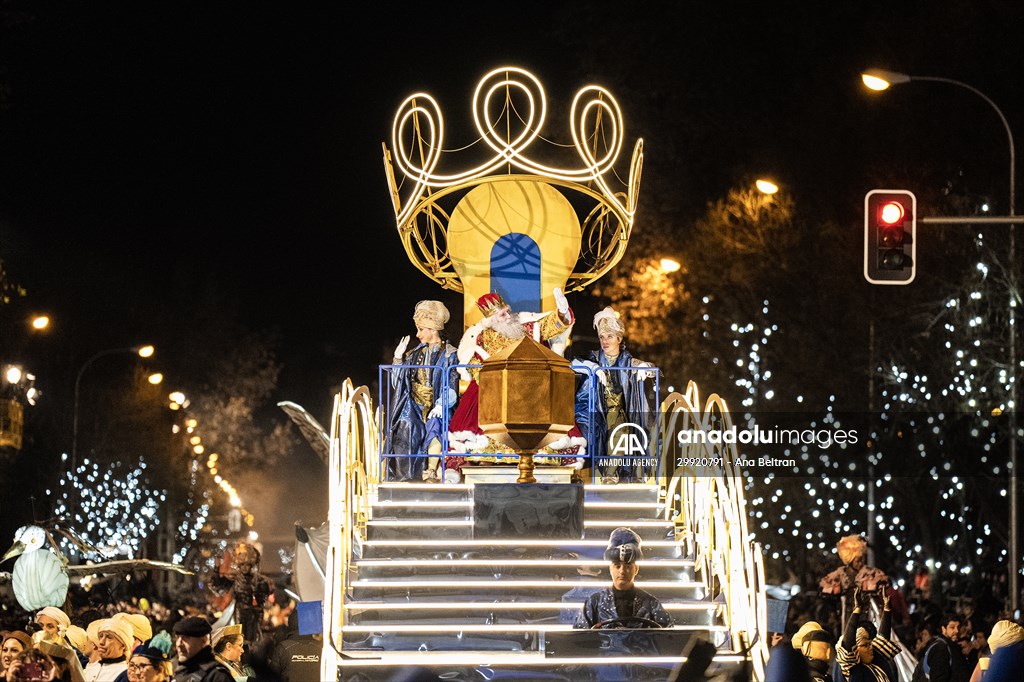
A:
{"x":591,"y":430}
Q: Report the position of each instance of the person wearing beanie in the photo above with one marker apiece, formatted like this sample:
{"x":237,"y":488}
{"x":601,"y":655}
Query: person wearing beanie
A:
{"x":798,"y":638}
{"x":115,"y":640}
{"x":14,"y":643}
{"x":623,"y":604}
{"x":151,"y":660}
{"x":196,"y":662}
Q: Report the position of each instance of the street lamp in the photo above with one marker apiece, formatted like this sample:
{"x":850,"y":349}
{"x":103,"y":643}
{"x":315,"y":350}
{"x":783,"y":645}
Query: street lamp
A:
{"x":142,"y":351}
{"x":880,"y":79}
{"x":669,"y":265}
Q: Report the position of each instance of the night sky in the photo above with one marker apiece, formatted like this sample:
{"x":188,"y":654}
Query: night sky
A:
{"x":150,"y":155}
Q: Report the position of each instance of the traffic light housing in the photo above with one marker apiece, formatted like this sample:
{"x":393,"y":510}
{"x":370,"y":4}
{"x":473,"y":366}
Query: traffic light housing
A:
{"x":890,"y":245}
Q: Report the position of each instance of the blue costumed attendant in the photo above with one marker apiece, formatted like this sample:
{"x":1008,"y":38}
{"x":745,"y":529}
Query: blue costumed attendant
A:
{"x":418,"y":401}
{"x":621,"y":397}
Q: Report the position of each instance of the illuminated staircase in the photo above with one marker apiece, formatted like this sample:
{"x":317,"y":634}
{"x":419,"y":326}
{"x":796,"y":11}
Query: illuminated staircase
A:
{"x":425,"y":594}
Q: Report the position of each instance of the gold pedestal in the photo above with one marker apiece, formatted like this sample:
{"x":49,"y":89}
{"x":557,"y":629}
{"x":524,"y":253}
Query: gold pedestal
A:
{"x":526,"y":400}
{"x":526,"y":469}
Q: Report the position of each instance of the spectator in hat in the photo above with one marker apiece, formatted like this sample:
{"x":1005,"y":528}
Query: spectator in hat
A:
{"x":623,"y":604}
{"x":114,"y":641}
{"x":54,"y":624}
{"x":816,"y":646}
{"x":92,"y":636}
{"x":79,"y":641}
{"x":228,"y":646}
{"x":142,"y":630}
{"x":1007,"y":644}
{"x":14,"y":643}
{"x":151,"y":661}
{"x":196,"y":662}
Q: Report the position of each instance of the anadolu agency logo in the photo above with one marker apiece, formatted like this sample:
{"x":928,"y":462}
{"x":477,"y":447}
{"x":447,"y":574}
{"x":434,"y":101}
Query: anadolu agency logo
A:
{"x":628,"y":440}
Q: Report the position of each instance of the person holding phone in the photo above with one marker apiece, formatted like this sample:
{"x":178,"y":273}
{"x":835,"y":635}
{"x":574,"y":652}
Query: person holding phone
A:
{"x":32,"y":666}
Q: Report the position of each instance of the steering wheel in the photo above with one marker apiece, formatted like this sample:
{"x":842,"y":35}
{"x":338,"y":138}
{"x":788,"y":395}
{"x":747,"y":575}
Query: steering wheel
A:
{"x":626,"y":622}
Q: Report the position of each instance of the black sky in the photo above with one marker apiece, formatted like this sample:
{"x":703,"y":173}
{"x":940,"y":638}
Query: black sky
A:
{"x":154,"y":153}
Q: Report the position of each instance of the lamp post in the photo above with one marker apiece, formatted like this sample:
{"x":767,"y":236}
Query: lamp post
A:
{"x":880,"y":79}
{"x":141,"y":351}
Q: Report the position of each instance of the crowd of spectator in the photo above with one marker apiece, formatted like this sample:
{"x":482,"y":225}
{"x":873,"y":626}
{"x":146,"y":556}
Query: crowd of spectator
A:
{"x":142,"y":640}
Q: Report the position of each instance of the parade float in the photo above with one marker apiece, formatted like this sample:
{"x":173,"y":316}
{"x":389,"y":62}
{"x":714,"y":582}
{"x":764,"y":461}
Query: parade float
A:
{"x":480,"y":575}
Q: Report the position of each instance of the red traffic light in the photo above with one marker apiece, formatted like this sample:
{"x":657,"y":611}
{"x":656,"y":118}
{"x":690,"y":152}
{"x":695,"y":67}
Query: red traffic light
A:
{"x":890,"y":248}
{"x":891,"y":213}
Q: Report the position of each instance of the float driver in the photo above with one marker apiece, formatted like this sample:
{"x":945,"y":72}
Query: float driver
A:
{"x":623,"y":605}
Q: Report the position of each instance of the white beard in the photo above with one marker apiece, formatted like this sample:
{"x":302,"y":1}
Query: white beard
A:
{"x":513,"y":329}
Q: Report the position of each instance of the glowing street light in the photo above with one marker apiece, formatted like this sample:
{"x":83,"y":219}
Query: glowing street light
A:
{"x":155,"y":378}
{"x":40,"y":322}
{"x":766,"y":186}
{"x":669,"y":265}
{"x":142,"y":351}
{"x":12,"y":374}
{"x":881,"y":79}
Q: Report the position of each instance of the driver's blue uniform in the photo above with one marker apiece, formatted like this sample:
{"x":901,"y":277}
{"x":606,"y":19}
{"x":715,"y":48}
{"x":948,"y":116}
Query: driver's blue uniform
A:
{"x":600,"y":606}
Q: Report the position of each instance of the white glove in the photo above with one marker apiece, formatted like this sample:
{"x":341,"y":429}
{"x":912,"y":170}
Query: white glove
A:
{"x":435,"y":411}
{"x":602,"y":376}
{"x":561,"y":302}
{"x":580,"y":366}
{"x":400,"y":350}
{"x":645,"y":374}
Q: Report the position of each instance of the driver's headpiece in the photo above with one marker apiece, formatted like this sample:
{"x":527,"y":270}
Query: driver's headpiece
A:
{"x":623,"y":546}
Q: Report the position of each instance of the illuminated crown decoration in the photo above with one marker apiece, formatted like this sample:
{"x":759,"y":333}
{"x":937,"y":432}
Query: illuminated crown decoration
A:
{"x":509,"y":110}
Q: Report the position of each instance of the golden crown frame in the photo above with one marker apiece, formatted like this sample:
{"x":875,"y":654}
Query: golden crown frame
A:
{"x":509,"y":109}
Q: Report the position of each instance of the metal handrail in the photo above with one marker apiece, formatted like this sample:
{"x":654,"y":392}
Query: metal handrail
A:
{"x":385,"y":386}
{"x":707,"y":504}
{"x":354,"y":474}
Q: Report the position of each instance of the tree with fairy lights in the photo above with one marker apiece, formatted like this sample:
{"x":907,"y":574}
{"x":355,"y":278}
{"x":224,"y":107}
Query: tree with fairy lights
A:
{"x":114,"y":508}
{"x":943,"y":436}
